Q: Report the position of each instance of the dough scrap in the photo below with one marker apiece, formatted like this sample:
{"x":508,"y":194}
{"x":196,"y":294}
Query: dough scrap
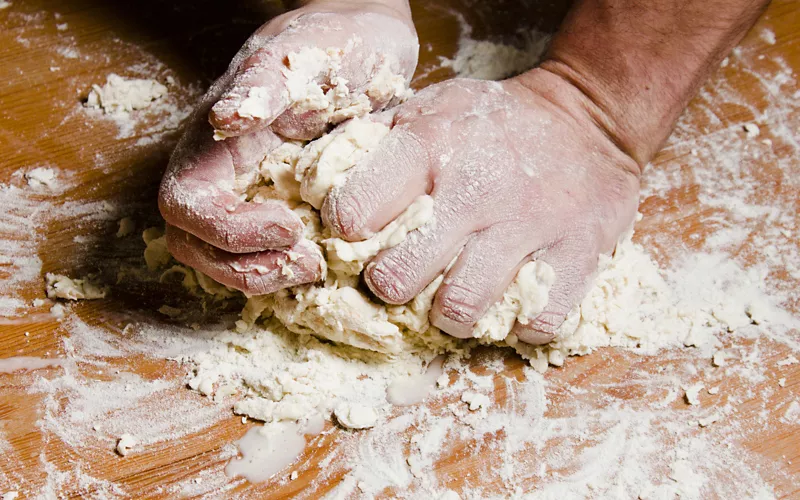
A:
{"x":124,"y":95}
{"x":63,"y":287}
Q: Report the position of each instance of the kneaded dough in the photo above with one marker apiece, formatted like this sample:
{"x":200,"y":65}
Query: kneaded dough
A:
{"x":338,"y":308}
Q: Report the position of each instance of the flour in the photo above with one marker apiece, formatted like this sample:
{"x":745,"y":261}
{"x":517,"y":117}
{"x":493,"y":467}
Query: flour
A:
{"x":549,"y":438}
{"x":632,"y":303}
{"x":488,"y":60}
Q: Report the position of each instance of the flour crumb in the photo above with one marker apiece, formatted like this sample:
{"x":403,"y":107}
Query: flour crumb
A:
{"x":791,"y":360}
{"x":4,"y":5}
{"x":294,"y":475}
{"x":126,"y":227}
{"x":169,"y":311}
{"x":692,"y":394}
{"x":768,"y":36}
{"x":42,"y":177}
{"x":9,"y":495}
{"x":121,"y":95}
{"x":475,"y":400}
{"x":705,"y":422}
{"x":719,"y":358}
{"x":782,"y":381}
{"x":487,"y":60}
{"x":713,"y":390}
{"x":752,"y":130}
{"x":58,"y":311}
{"x":63,"y":287}
{"x":443,"y":381}
{"x":125,"y":443}
{"x":792,"y":414}
{"x":355,"y":416}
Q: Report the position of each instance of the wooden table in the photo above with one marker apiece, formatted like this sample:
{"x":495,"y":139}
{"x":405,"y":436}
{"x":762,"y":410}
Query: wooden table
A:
{"x":47,"y":69}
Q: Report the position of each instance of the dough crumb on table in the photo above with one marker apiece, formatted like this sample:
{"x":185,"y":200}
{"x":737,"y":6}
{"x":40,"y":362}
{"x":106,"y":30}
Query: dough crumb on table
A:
{"x":125,"y":443}
{"x":63,"y":287}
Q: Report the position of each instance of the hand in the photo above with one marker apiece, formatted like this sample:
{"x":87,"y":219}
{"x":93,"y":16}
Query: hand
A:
{"x":517,"y":170}
{"x":258,"y":247}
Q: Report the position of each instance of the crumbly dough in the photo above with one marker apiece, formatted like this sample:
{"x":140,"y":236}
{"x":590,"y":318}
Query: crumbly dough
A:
{"x":42,"y":177}
{"x":123,"y":95}
{"x":626,"y":301}
{"x":355,"y":416}
{"x":125,"y":443}
{"x":63,"y":287}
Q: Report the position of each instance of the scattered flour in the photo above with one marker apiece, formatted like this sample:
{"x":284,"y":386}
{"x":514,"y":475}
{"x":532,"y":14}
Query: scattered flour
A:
{"x":286,"y":374}
{"x":628,"y":447}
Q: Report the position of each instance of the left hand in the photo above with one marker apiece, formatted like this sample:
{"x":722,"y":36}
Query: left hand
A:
{"x":518,"y":170}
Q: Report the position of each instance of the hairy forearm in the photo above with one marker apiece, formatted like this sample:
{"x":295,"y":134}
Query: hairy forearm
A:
{"x":639,"y":62}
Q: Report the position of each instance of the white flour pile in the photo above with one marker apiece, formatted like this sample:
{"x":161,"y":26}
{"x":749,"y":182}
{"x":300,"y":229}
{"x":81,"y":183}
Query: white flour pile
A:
{"x":630,"y":433}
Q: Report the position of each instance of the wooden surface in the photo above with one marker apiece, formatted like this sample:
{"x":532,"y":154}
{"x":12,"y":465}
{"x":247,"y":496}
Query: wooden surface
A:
{"x":41,"y":124}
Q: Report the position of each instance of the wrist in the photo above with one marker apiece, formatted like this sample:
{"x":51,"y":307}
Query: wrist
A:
{"x":551,"y":89}
{"x":639,"y":62}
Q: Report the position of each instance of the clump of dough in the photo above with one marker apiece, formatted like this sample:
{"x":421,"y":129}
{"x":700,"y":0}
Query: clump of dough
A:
{"x":63,"y":287}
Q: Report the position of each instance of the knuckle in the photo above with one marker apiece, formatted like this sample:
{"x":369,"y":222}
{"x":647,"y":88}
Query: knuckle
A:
{"x":344,"y":213}
{"x":460,"y":304}
{"x":390,"y":280}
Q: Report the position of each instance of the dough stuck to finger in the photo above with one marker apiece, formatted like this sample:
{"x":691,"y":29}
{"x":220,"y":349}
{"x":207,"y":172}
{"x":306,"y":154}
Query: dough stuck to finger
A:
{"x":330,"y":301}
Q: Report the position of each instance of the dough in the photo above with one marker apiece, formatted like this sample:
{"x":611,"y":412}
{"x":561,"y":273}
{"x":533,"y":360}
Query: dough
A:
{"x":121,"y":95}
{"x":62,"y":287}
{"x":338,"y":309}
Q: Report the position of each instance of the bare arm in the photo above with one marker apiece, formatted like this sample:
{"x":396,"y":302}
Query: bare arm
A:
{"x":639,"y":62}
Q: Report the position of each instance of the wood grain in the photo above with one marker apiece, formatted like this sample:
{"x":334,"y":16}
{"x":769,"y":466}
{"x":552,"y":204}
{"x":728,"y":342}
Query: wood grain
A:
{"x":41,"y":124}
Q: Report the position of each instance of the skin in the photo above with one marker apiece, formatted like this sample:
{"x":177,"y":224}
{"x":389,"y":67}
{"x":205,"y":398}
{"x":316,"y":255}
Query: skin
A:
{"x":545,"y":165}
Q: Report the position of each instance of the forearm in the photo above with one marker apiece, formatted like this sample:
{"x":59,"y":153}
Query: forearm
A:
{"x":639,"y":62}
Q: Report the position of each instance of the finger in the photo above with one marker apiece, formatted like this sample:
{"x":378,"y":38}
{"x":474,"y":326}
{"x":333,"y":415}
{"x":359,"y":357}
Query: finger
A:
{"x":481,"y":274}
{"x":257,"y":95}
{"x":197,"y":193}
{"x":263,"y":77}
{"x":574,"y":265}
{"x":258,"y":273}
{"x":380,"y":188}
{"x":398,"y":274}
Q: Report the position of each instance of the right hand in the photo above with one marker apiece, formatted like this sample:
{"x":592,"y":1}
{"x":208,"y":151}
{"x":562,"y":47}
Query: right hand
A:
{"x":258,"y":248}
